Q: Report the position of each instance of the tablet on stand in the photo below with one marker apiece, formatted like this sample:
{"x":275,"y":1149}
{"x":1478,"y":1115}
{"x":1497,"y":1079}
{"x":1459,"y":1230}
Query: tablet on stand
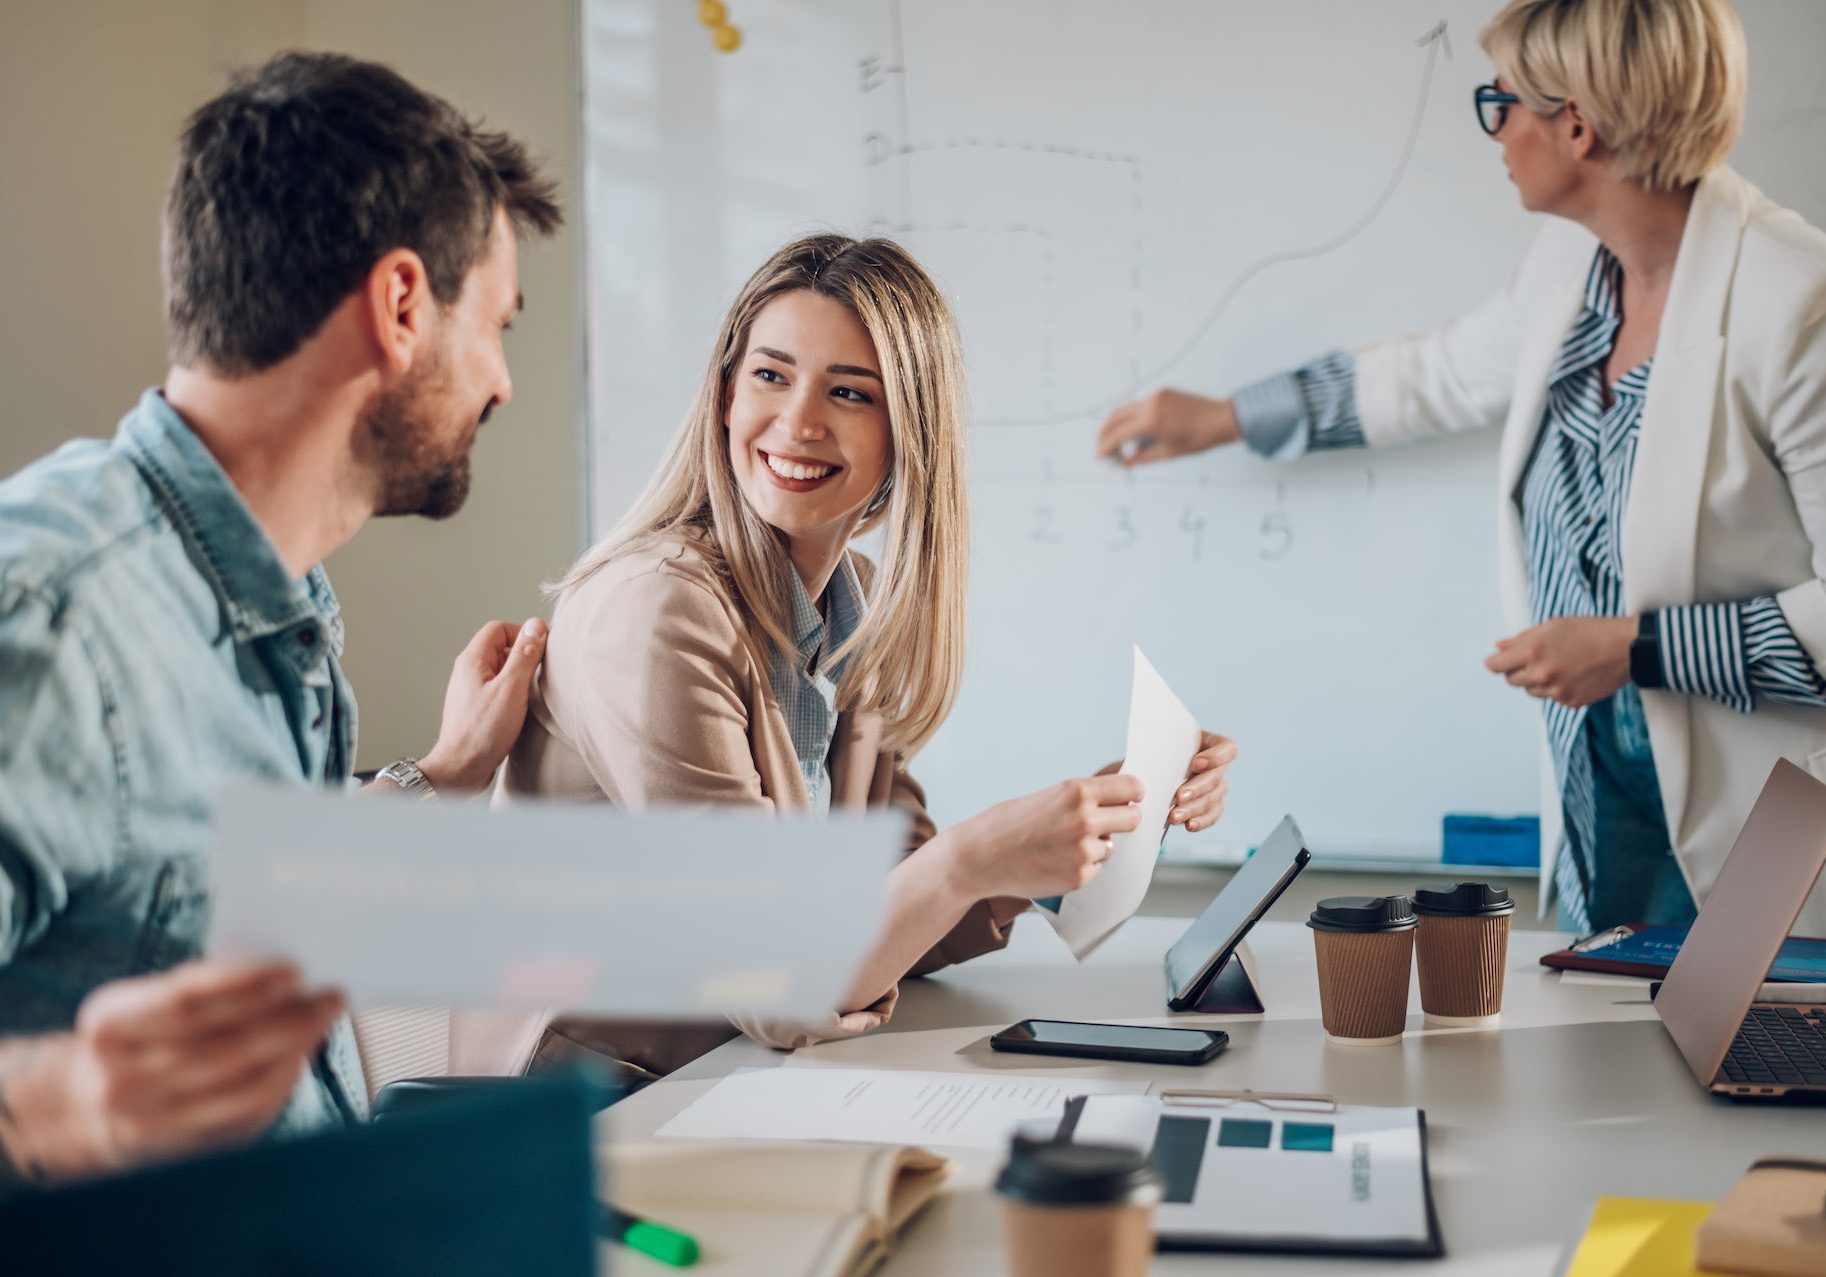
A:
{"x":1205,"y":972}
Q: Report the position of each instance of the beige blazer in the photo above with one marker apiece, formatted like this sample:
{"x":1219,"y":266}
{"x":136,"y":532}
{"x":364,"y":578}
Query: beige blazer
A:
{"x":1729,"y":496}
{"x":653,"y":692}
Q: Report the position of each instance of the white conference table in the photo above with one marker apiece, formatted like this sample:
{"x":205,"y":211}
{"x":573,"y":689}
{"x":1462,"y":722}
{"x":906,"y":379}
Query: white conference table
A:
{"x":1579,"y":1093}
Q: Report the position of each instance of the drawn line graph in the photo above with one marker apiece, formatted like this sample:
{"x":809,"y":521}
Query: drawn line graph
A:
{"x":1433,"y":41}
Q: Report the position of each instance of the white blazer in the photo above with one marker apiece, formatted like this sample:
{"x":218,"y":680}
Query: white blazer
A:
{"x":1728,"y":500}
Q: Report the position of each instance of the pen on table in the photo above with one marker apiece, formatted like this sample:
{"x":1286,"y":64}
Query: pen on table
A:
{"x":1599,"y":939}
{"x":1792,"y":991}
{"x":667,"y":1245}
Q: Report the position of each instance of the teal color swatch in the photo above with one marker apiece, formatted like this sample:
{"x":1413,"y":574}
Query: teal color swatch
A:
{"x":1306,"y":1137}
{"x":1244,"y":1132}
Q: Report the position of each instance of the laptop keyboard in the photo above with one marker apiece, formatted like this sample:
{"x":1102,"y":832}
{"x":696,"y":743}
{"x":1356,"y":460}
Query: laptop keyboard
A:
{"x":1779,"y":1045}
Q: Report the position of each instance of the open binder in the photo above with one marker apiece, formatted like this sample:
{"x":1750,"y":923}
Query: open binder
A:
{"x":1252,"y":1171}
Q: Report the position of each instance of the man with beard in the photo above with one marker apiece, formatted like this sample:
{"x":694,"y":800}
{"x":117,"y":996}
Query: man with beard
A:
{"x":340,"y":263}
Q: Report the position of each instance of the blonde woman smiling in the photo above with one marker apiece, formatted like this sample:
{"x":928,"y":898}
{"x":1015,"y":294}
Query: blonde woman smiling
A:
{"x":725,"y":645}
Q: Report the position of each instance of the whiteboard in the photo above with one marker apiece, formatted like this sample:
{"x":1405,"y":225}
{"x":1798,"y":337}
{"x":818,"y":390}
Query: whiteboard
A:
{"x":1183,"y":192}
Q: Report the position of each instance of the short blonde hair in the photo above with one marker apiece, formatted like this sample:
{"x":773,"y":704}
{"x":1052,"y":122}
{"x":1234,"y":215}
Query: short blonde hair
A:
{"x":906,"y":659}
{"x":1662,"y":81}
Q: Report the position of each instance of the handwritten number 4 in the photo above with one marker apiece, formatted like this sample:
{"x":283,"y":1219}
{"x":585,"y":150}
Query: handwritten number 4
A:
{"x":1193,"y":524}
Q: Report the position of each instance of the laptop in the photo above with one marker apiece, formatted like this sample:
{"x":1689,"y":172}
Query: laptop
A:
{"x":1735,"y":1045}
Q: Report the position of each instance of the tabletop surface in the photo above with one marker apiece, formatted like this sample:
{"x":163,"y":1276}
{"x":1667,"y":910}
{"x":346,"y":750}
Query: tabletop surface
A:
{"x":1578,"y":1093}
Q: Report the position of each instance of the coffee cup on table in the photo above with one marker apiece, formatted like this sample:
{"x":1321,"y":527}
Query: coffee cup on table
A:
{"x":1365,"y":947}
{"x":1462,"y":948}
{"x":1078,"y":1210}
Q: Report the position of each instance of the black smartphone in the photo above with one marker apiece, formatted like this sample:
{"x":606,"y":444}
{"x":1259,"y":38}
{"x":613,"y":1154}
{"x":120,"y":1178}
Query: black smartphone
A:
{"x":1111,"y":1041}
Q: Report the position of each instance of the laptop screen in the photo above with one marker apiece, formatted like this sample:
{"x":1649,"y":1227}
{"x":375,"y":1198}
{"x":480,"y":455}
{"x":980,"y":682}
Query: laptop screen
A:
{"x":1747,"y":914}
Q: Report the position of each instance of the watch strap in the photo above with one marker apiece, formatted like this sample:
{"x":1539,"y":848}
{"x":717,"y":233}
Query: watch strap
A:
{"x":405,"y":773}
{"x":1645,"y":654}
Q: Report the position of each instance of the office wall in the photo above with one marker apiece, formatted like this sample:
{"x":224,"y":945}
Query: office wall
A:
{"x":92,"y":94}
{"x":415,"y":591}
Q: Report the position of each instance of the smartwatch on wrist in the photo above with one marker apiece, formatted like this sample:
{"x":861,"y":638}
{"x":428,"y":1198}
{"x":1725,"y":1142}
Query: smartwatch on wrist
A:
{"x":1645,"y":654}
{"x":405,"y":773}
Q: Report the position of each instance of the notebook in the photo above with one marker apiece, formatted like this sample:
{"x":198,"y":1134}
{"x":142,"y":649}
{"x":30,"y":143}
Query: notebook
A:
{"x":761,"y":1209}
{"x":1650,"y":951}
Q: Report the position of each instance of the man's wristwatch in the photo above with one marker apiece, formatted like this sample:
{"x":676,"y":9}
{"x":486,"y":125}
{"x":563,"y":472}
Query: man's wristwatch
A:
{"x":1645,"y":654}
{"x":409,"y":778}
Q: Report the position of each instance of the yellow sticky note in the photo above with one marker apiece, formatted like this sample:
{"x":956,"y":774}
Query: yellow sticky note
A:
{"x":1639,"y":1237}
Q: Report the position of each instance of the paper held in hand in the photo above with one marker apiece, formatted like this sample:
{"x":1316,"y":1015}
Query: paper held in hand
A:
{"x":1163,"y":736}
{"x":584,"y":907}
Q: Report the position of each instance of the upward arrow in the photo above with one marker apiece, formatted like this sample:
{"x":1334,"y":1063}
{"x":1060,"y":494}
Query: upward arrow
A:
{"x":1433,"y":40}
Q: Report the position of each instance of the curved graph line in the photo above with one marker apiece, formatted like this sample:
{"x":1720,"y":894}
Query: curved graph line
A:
{"x":1433,"y":39}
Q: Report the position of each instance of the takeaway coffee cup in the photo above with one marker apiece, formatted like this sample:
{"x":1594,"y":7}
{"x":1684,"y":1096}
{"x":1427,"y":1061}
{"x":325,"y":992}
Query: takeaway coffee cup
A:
{"x":1462,"y":948}
{"x":1365,"y":946}
{"x":1077,"y":1210}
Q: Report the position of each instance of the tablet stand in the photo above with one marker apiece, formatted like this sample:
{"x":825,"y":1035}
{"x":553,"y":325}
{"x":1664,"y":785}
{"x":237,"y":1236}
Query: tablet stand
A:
{"x":1231,"y":991}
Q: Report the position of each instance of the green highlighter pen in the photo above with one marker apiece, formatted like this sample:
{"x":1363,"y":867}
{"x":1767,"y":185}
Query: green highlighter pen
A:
{"x":667,"y":1245}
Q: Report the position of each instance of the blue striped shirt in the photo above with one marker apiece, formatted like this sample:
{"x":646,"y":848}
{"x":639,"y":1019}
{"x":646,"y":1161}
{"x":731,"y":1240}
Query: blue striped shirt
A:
{"x":1573,"y":501}
{"x":803,"y":684}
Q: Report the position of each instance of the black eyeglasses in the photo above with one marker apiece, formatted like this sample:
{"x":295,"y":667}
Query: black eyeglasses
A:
{"x":1493,"y":107}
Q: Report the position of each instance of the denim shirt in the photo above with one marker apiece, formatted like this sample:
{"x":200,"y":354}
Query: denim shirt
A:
{"x":152,"y":645}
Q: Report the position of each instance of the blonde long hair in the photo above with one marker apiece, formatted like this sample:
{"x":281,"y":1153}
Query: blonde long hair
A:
{"x":906,"y":659}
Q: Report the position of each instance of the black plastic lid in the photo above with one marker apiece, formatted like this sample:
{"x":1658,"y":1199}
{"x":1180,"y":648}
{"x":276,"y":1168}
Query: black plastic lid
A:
{"x":1076,"y":1174}
{"x":1463,"y":899}
{"x":1362,"y":913}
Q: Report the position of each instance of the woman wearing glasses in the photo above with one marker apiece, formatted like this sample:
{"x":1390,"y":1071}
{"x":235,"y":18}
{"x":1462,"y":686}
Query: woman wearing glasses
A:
{"x":1658,"y":366}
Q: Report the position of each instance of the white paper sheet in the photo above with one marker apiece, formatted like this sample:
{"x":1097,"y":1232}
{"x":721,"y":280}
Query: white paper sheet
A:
{"x":1605,"y":978}
{"x":951,"y":1110}
{"x":581,"y":907}
{"x":1163,"y":736}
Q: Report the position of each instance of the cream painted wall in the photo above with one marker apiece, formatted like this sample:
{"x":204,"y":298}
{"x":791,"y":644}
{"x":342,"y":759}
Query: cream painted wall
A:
{"x":413,"y":591}
{"x":92,"y":94}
